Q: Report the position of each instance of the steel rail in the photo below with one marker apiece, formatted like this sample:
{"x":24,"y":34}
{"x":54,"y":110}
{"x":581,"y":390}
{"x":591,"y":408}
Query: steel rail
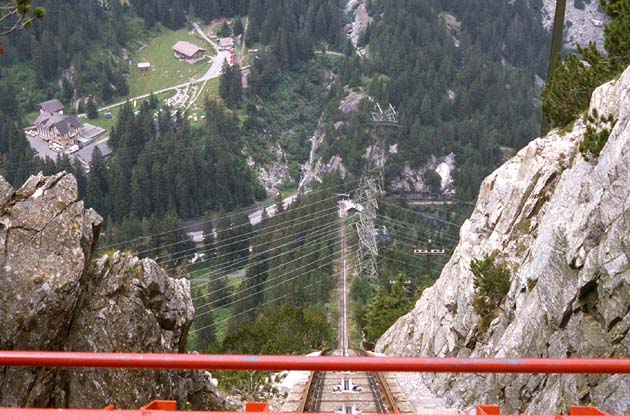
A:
{"x":81,"y":414}
{"x":324,"y":363}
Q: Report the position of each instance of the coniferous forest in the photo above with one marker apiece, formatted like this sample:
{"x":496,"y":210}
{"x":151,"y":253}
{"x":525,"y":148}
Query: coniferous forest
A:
{"x":465,"y":77}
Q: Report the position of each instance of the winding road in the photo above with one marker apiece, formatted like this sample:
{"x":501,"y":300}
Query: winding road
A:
{"x":213,"y":72}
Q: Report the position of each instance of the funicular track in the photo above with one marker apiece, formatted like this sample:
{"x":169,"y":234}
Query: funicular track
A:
{"x":363,"y":392}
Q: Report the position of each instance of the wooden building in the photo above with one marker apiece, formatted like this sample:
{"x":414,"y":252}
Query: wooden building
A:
{"x":188,"y":51}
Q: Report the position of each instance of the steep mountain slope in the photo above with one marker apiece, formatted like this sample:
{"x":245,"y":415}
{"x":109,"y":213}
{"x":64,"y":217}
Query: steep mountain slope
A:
{"x":560,"y":224}
{"x":462,"y":77}
{"x":55,"y":298}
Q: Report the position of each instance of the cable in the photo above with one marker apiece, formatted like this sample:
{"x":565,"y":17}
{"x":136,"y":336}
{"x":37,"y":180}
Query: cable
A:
{"x":255,"y":307}
{"x":210,"y":220}
{"x":441,"y":237}
{"x":413,"y":226}
{"x":394,"y":225}
{"x":219,"y":270}
{"x":261,"y":291}
{"x":322,"y":237}
{"x":402,"y":262}
{"x":244,"y":236}
{"x":264,"y":272}
{"x":434,"y":207}
{"x":421,"y":214}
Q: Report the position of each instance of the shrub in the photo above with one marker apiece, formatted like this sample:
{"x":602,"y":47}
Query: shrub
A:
{"x":598,"y":129}
{"x":492,"y":283}
{"x":568,"y":93}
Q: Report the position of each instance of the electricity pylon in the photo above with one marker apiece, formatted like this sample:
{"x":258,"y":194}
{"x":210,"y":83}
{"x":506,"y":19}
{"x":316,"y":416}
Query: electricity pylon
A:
{"x":371,"y":189}
{"x":368,"y":250}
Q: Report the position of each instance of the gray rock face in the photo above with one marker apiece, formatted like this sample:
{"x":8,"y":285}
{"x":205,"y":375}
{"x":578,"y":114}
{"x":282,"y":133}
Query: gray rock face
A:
{"x":563,"y":226}
{"x":55,"y":298}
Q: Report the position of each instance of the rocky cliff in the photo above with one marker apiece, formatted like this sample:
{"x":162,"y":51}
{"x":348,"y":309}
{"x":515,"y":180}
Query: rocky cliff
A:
{"x":55,"y":297}
{"x":561,"y":224}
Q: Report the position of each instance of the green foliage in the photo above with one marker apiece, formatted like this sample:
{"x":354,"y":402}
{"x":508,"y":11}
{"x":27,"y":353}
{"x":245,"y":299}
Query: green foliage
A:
{"x":238,"y":28}
{"x":289,"y":259}
{"x":385,"y":307}
{"x":92,"y":111}
{"x":492,"y":283}
{"x":16,"y":158}
{"x":16,"y":15}
{"x":568,"y":92}
{"x":468,"y":99}
{"x":231,"y":85}
{"x":617,"y":31}
{"x":598,"y":128}
{"x":285,"y":330}
{"x":288,"y":113}
{"x":225,"y":30}
{"x":76,"y":46}
{"x":434,"y":181}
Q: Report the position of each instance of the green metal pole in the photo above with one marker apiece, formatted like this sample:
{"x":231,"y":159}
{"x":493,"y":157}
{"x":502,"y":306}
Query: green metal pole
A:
{"x":554,"y":55}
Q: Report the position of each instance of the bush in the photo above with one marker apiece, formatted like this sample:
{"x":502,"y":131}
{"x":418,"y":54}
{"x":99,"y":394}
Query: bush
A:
{"x":492,"y":283}
{"x":433,"y":180}
{"x":569,"y":91}
{"x":385,"y":307}
{"x":598,"y":129}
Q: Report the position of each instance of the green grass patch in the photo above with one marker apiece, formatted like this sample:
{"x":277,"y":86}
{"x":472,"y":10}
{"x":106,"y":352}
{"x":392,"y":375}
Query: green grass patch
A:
{"x":107,"y":124}
{"x":166,"y":70}
{"x":210,"y":90}
{"x":288,"y":191}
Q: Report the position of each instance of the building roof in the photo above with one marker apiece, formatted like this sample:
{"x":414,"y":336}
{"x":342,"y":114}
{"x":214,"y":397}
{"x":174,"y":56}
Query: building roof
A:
{"x":53,"y":105}
{"x":91,"y":132}
{"x":86,"y":153}
{"x":187,"y":49}
{"x":144,"y":65}
{"x":226,"y":42}
{"x":63,"y":123}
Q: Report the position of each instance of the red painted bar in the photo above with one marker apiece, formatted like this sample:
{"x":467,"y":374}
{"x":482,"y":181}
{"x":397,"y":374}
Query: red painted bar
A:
{"x":324,"y":363}
{"x":75,"y":414}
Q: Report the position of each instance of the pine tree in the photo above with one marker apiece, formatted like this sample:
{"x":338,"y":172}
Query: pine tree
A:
{"x":385,"y":308}
{"x":92,"y":111}
{"x":238,"y":26}
{"x":225,"y":81}
{"x":225,"y":30}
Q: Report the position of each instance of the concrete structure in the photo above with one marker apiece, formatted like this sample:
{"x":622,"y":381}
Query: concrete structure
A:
{"x":144,"y":67}
{"x":188,"y":51}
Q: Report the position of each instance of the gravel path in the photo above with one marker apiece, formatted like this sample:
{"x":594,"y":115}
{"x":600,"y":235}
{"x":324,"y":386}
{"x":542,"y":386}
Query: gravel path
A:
{"x":422,"y":399}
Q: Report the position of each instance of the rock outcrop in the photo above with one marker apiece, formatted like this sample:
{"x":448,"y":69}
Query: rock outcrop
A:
{"x":412,"y":180}
{"x":562,"y":225}
{"x":55,"y":297}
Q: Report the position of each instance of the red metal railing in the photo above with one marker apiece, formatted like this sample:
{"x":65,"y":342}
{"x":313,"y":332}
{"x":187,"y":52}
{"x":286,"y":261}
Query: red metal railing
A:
{"x":324,"y":363}
{"x":162,"y":410}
